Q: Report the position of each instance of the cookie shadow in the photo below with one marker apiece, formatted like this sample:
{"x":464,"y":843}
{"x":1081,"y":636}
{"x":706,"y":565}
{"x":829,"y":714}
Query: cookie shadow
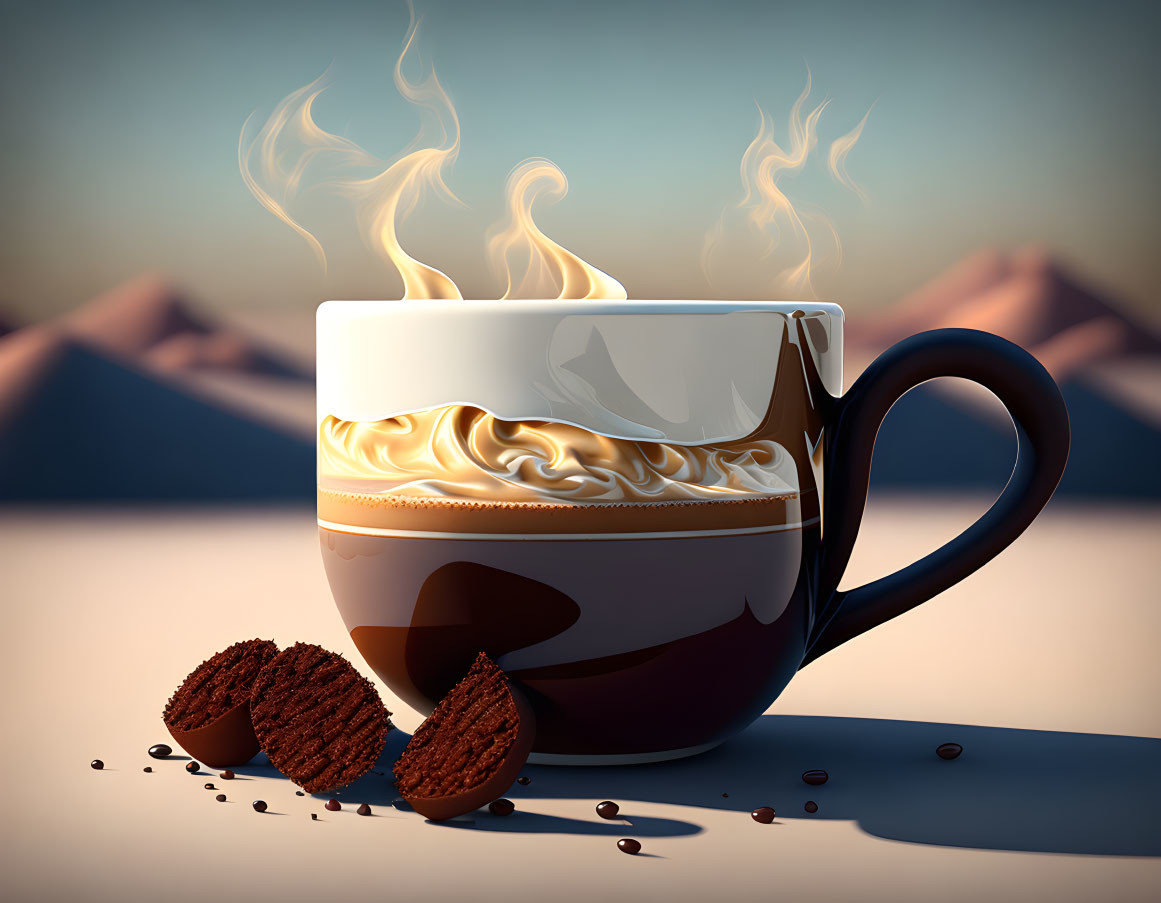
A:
{"x":520,"y":822}
{"x":375,"y":788}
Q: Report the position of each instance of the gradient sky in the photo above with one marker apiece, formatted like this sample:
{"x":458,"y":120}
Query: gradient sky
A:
{"x":994,"y":123}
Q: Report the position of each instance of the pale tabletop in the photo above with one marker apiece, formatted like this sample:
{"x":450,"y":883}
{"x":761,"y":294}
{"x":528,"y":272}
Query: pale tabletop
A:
{"x":1044,"y":666}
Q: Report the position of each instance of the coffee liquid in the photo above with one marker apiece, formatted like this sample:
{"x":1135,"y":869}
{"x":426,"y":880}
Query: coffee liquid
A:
{"x":616,"y":642}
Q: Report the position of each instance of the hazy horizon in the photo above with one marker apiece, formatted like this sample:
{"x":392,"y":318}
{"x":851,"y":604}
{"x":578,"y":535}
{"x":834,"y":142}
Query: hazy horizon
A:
{"x":993,"y":124}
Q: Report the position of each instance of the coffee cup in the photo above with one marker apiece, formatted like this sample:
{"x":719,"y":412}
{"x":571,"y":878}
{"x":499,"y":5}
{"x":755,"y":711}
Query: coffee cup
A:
{"x":641,"y":510}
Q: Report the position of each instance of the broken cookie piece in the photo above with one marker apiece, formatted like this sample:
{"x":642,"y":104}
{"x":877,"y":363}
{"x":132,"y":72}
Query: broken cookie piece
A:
{"x":209,"y":714}
{"x":319,"y":720}
{"x":470,"y":749}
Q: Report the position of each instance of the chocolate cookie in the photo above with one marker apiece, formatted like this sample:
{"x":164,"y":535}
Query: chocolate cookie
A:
{"x":209,"y":714}
{"x":470,"y":749}
{"x":319,"y":720}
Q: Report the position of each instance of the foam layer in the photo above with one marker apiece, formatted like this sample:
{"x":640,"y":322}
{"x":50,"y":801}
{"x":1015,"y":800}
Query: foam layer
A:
{"x":462,"y":452}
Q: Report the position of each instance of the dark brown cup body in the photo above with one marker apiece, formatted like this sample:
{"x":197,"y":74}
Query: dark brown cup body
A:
{"x":668,"y":640}
{"x":623,"y":646}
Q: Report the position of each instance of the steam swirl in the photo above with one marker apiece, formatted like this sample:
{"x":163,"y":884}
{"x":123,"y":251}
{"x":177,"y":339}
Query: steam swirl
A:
{"x":462,"y":452}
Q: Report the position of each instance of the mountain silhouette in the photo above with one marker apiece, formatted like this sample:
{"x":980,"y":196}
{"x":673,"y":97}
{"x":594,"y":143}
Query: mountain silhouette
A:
{"x":1026,"y":297}
{"x":147,"y":320}
{"x":139,"y":395}
{"x":77,"y":424}
{"x":934,"y":439}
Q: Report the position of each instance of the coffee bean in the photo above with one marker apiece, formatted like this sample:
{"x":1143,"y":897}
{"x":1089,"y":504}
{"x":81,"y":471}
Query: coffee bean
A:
{"x":502,"y":807}
{"x":221,"y":797}
{"x":725,"y":796}
{"x":629,"y":845}
{"x":608,"y":809}
{"x":259,"y":805}
{"x":147,"y":770}
{"x":523,"y":781}
{"x":815,"y":776}
{"x":299,"y":793}
{"x":96,"y":765}
{"x":192,"y":767}
{"x":333,"y":805}
{"x":763,"y":815}
{"x":159,"y":751}
{"x":314,"y":816}
{"x":209,"y":786}
{"x":811,"y":806}
{"x":364,"y":809}
{"x":227,"y":775}
{"x":949,"y":751}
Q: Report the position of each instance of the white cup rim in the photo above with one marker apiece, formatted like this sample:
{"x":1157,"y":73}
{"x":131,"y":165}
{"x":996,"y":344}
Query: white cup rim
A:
{"x":571,"y":306}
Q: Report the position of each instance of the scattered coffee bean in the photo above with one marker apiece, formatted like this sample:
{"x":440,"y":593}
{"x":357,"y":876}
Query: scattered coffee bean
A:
{"x":159,"y":751}
{"x":96,"y":765}
{"x":209,"y":786}
{"x":147,"y":770}
{"x":314,"y":816}
{"x":725,"y":796}
{"x":259,"y":805}
{"x":763,"y":815}
{"x":608,"y":809}
{"x":629,"y":845}
{"x":227,"y":775}
{"x":811,"y":806}
{"x":523,"y":781}
{"x":299,"y":793}
{"x":221,"y":797}
{"x":949,"y":751}
{"x":192,"y":767}
{"x":815,"y":776}
{"x":501,"y":807}
{"x":333,"y":805}
{"x":364,"y":809}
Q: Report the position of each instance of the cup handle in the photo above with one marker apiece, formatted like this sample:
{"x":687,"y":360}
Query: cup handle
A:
{"x":1037,"y":409}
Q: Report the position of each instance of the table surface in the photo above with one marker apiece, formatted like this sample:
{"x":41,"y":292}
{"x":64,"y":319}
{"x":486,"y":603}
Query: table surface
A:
{"x":1043,"y":666}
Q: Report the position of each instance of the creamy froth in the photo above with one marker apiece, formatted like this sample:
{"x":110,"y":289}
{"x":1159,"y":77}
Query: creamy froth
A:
{"x":462,"y":452}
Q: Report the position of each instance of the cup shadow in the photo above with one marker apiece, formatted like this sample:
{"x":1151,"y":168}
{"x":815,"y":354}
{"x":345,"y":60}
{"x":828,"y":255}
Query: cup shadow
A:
{"x":1019,"y":790}
{"x":1011,"y":789}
